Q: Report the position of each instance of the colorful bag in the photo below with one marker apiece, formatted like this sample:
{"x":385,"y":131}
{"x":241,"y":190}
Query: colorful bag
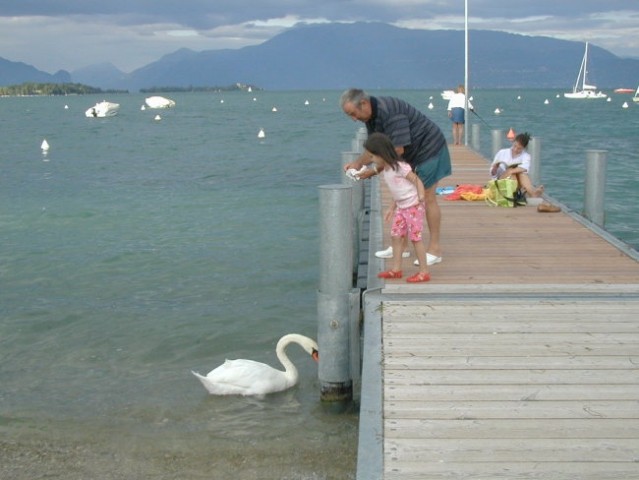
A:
{"x":504,"y":193}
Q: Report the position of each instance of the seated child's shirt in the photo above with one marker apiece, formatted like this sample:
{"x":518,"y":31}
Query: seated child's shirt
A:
{"x":505,"y":159}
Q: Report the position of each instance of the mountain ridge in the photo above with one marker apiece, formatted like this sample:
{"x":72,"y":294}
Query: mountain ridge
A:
{"x":373,"y":55}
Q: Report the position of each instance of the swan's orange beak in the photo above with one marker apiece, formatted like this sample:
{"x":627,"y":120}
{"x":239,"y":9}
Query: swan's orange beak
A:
{"x":315,"y":355}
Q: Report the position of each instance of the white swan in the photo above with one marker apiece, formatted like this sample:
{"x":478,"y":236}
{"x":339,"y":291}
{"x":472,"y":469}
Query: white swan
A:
{"x":247,"y":377}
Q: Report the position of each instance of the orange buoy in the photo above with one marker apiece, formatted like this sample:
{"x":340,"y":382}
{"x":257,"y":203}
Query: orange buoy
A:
{"x":510,"y":135}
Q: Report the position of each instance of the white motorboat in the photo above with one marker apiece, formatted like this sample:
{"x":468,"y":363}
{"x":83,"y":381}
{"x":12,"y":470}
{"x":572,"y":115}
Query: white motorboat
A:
{"x":582,"y":89}
{"x":447,"y":94}
{"x":103,"y":109}
{"x":159,"y":102}
{"x":636,"y":96}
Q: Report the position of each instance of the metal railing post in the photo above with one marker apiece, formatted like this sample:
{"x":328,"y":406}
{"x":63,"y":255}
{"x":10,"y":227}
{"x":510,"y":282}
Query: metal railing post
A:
{"x":334,"y":302}
{"x":475,"y":143}
{"x":535,"y":164}
{"x":498,"y":141}
{"x":594,"y":186}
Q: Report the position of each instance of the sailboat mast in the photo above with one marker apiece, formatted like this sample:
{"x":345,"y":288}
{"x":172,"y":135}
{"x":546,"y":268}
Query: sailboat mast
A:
{"x":582,"y":72}
{"x":584,"y":85}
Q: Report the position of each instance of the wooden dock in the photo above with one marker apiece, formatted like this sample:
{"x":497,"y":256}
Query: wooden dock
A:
{"x":518,"y":360}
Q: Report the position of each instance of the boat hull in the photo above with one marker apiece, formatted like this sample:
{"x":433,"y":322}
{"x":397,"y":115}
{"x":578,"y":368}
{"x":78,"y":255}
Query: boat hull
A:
{"x":159,"y":102}
{"x":102,"y":110}
{"x":588,"y":94}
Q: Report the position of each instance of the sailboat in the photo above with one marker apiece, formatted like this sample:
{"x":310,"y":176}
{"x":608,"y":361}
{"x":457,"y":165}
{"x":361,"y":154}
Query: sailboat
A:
{"x":636,"y":97}
{"x":584,"y":90}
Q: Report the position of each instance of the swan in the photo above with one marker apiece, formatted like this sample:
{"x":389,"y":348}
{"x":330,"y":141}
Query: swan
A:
{"x":248,"y":377}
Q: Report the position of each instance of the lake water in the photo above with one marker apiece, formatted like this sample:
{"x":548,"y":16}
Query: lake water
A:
{"x":137,"y":250}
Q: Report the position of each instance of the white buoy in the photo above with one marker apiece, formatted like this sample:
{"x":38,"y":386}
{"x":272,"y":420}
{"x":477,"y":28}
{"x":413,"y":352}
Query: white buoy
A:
{"x":518,"y":97}
{"x":625,"y":105}
{"x":261,"y":133}
{"x":142,"y":107}
{"x":546,"y":102}
{"x":431,"y":106}
{"x":157,"y":117}
{"x":66,"y":107}
{"x":497,"y":111}
{"x":44,"y":146}
{"x":222,"y":101}
{"x":274,"y":109}
{"x":306,"y":102}
{"x":557,"y":96}
{"x":609,"y":99}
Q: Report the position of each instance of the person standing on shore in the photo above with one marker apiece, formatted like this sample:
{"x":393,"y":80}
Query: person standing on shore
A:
{"x":417,"y":140}
{"x":456,"y":113}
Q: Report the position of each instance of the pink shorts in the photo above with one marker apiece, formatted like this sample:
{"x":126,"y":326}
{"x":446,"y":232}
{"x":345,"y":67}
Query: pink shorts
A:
{"x":409,"y":222}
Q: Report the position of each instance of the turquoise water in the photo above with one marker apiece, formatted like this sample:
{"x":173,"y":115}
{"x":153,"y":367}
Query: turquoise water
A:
{"x":137,"y":250}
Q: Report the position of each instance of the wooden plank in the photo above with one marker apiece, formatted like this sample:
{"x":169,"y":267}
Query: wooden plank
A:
{"x":565,"y":362}
{"x":473,"y":350}
{"x":515,"y":470}
{"x":511,"y":450}
{"x":504,"y":338}
{"x":457,"y":410}
{"x":508,"y":377}
{"x":512,"y":428}
{"x":397,"y":391}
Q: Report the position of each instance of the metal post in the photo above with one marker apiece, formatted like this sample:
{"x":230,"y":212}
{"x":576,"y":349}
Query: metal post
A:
{"x":358,"y":141}
{"x":475,"y":137}
{"x":595,"y":185}
{"x":535,"y":163}
{"x":335,"y":293}
{"x":357,"y":206}
{"x":466,"y":86}
{"x":498,"y":141}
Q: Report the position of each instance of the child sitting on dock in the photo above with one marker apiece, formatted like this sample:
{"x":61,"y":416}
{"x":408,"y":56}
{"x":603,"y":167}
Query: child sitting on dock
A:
{"x":407,"y":209}
{"x":514,"y":162}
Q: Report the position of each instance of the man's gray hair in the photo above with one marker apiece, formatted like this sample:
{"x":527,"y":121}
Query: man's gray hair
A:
{"x":354,"y":96}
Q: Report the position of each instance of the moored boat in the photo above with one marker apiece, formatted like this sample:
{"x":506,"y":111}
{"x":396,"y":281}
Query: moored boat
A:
{"x":586,"y":91}
{"x":103,"y":109}
{"x":159,"y":102}
{"x":447,"y":94}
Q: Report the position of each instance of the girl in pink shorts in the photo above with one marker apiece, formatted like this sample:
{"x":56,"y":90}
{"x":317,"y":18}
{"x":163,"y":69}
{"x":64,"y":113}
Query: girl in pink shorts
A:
{"x":408,"y":207}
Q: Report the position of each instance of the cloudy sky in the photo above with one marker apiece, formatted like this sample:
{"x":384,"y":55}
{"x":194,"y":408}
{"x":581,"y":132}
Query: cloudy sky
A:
{"x":71,"y":34}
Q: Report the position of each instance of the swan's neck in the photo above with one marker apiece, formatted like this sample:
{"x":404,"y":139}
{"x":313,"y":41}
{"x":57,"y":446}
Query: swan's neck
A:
{"x":289,"y":367}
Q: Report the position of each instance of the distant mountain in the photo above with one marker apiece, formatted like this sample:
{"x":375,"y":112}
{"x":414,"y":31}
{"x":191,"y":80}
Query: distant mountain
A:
{"x":372,"y":55}
{"x":13,"y":73}
{"x":375,"y":55}
{"x":106,"y":75}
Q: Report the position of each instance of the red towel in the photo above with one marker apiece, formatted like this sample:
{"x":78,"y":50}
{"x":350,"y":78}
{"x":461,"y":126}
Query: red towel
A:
{"x":456,"y":195}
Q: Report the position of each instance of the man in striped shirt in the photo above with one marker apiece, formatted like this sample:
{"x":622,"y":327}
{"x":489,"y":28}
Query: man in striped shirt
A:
{"x":417,"y":139}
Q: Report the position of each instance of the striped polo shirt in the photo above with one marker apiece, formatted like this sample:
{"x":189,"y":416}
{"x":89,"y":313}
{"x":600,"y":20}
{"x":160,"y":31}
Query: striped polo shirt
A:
{"x":407,"y":127}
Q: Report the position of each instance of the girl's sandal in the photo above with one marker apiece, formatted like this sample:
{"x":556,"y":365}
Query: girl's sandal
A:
{"x":419,"y":278}
{"x":390,"y":274}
